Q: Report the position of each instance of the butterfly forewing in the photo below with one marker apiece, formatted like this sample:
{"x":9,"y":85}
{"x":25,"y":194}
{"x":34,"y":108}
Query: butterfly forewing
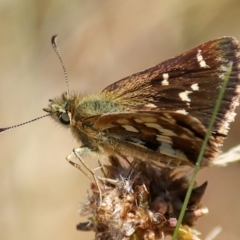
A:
{"x":189,"y":84}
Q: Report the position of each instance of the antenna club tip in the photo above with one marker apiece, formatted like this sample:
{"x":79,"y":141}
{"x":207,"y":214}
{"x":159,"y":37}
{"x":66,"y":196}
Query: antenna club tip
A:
{"x":53,"y":39}
{"x":47,"y":110}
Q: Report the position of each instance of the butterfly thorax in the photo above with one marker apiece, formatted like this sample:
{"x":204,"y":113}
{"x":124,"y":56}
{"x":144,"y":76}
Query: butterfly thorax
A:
{"x":82,"y":107}
{"x":96,"y":104}
{"x":72,"y":112}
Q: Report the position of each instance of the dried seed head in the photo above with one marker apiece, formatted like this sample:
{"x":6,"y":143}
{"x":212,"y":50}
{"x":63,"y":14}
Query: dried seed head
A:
{"x":141,"y":201}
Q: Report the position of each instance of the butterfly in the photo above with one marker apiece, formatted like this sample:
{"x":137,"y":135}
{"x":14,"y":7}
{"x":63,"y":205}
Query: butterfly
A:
{"x":161,"y":113}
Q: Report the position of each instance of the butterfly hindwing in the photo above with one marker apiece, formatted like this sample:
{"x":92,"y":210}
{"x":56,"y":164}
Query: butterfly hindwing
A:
{"x":169,"y":133}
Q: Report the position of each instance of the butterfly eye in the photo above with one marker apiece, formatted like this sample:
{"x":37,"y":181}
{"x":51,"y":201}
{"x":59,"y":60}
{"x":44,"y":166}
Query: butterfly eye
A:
{"x":64,"y":118}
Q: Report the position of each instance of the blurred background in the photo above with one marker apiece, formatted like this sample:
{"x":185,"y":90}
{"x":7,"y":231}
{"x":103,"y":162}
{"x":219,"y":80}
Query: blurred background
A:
{"x":101,"y":42}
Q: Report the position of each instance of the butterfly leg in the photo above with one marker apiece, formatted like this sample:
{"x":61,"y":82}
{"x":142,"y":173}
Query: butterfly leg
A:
{"x":102,"y":168}
{"x":77,"y":152}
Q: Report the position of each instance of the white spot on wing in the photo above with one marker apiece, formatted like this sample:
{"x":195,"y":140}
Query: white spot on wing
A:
{"x":130,"y":128}
{"x":138,"y":120}
{"x":167,"y":149}
{"x":122,"y":121}
{"x":154,"y":125}
{"x":186,"y":136}
{"x":182,"y":111}
{"x":138,"y":142}
{"x":223,"y":68}
{"x":168,"y":132}
{"x":180,"y":155}
{"x":235,"y":104}
{"x":200,"y":59}
{"x":195,"y":87}
{"x":230,"y":116}
{"x":168,"y":118}
{"x":184,"y":96}
{"x":165,"y":81}
{"x":150,"y":105}
{"x":149,"y":119}
{"x":164,"y":139}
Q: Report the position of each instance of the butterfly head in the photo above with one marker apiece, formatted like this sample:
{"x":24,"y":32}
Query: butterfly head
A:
{"x":60,"y":109}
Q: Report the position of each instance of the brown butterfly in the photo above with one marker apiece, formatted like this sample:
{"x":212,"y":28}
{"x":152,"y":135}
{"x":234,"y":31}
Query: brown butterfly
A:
{"x":161,"y":113}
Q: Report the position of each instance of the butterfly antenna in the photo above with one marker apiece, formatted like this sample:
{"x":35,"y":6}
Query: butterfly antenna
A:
{"x":55,"y":47}
{"x":2,"y":130}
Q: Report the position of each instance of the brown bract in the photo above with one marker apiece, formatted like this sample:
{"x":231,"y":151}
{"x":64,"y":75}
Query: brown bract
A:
{"x":141,"y":201}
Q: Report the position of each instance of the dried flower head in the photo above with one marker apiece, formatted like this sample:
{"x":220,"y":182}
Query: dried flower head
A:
{"x":141,"y":201}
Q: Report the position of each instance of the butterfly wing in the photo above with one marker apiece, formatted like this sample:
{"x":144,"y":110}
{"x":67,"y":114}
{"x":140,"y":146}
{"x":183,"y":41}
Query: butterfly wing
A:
{"x":171,"y":134}
{"x":189,"y":83}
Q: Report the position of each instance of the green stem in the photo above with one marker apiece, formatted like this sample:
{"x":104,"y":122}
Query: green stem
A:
{"x":198,"y":164}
